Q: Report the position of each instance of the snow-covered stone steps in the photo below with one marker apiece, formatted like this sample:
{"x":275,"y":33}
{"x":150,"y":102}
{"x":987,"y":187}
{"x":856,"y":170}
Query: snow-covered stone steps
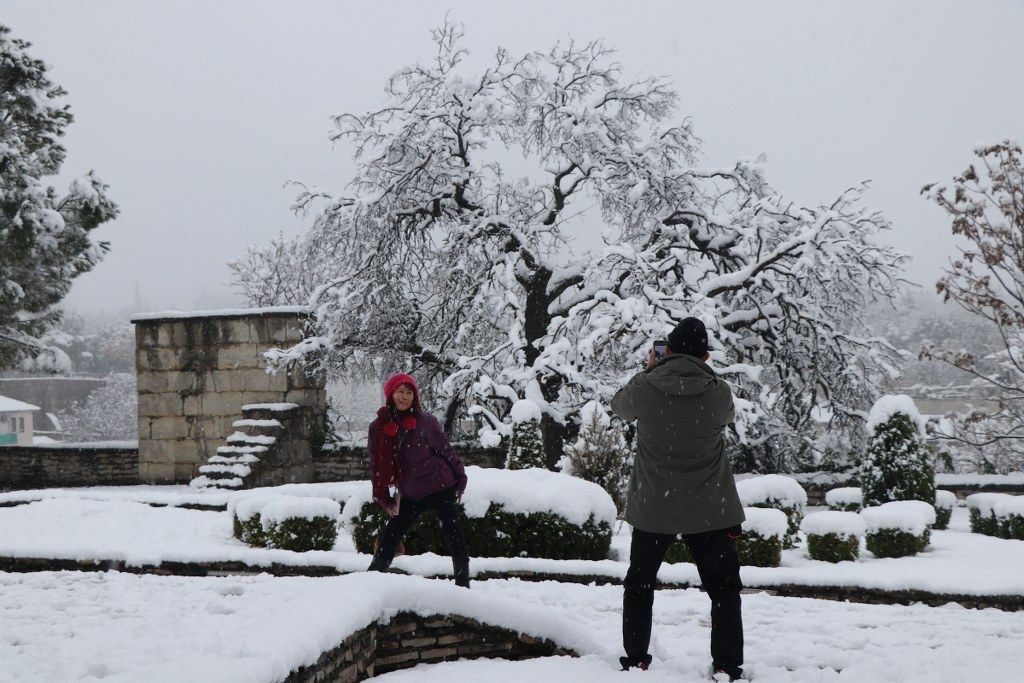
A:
{"x":251,"y":422}
{"x":244,"y":458}
{"x":234,"y":470}
{"x":242,"y":449}
{"x":206,"y":481}
{"x":242,"y":437}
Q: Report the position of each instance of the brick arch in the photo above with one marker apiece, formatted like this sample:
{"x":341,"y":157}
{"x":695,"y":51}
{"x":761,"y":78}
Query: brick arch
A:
{"x":410,"y":639}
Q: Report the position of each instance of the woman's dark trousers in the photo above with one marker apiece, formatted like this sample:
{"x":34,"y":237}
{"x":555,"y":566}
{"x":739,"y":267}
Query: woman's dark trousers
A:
{"x":443,"y":503}
{"x":719,"y":567}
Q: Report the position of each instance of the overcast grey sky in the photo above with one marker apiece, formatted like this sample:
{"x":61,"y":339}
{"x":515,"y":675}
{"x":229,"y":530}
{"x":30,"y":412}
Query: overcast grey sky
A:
{"x":197,"y":111}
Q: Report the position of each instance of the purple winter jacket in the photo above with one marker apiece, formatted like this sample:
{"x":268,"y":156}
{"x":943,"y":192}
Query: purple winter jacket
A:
{"x":429,"y":463}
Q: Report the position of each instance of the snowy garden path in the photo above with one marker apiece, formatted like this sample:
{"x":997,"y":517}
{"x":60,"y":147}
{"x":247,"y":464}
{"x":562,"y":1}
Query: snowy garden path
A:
{"x":120,"y":627}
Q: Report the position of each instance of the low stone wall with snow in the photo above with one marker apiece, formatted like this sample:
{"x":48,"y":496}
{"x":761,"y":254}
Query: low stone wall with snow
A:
{"x":350,"y":463}
{"x":409,"y":640}
{"x":195,"y":372}
{"x":53,"y":465}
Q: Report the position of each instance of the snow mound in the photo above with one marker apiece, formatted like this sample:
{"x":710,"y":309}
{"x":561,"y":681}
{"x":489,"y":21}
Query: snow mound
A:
{"x":893,"y":404}
{"x":985,"y":503}
{"x":766,"y":522}
{"x":1010,"y":505}
{"x":945,"y":500}
{"x":295,"y":507}
{"x":772,"y":488}
{"x":893,"y":516}
{"x":847,"y":495}
{"x":524,"y":492}
{"x":524,"y":411}
{"x":832,"y":522}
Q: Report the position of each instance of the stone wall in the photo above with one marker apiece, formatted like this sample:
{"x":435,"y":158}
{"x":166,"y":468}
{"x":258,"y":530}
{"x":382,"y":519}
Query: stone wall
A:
{"x":49,"y":466}
{"x":195,"y":373}
{"x":410,"y":639}
{"x":349,"y":463}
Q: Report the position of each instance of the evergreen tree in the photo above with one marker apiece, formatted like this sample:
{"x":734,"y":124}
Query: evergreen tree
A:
{"x":44,"y":237}
{"x":601,"y":454}
{"x":525,"y":448}
{"x":898,"y":464}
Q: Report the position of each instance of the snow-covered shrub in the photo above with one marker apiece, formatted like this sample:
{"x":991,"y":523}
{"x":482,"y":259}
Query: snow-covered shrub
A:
{"x":778,"y":492}
{"x":760,"y":545}
{"x":245,"y":516}
{"x":764,"y":533}
{"x":272,"y":520}
{"x":895,"y":530}
{"x":997,"y":514}
{"x":507,"y":513}
{"x":1010,"y":513}
{"x":300,"y":523}
{"x":833,"y":536}
{"x":945,"y":501}
{"x":525,"y":446}
{"x":897,"y":465}
{"x":601,"y":453}
{"x":846,"y":499}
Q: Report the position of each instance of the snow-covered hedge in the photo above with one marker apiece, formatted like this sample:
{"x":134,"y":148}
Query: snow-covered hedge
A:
{"x":299,"y":523}
{"x":997,"y":514}
{"x":507,"y":513}
{"x":897,"y":529}
{"x":845,"y":499}
{"x":778,"y":492}
{"x":945,"y":501}
{"x":833,"y":536}
{"x":764,"y":532}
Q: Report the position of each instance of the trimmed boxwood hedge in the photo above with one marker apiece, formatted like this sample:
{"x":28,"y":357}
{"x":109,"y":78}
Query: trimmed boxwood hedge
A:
{"x":895,"y":543}
{"x":984,"y":524}
{"x":942,"y":517}
{"x":754,"y":551}
{"x":794,"y":515}
{"x":497,"y":534}
{"x":296,"y":533}
{"x":302,"y":535}
{"x":833,"y":547}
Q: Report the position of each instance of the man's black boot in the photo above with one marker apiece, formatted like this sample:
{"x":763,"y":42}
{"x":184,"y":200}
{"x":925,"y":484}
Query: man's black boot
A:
{"x":642,"y":663}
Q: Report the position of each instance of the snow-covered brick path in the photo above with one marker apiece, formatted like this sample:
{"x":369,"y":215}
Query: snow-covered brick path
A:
{"x":122,"y":627}
{"x":957,"y":562}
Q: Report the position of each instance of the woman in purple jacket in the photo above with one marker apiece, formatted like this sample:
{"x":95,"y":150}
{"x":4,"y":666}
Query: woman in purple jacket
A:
{"x":409,"y":450}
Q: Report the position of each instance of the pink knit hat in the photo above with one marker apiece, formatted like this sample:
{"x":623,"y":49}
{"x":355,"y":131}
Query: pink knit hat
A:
{"x":397,"y":380}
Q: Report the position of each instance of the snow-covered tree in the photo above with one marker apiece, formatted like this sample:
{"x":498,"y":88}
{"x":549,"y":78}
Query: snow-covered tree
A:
{"x":601,"y":453}
{"x":525,"y":449}
{"x":44,"y":237}
{"x":109,"y":413}
{"x":986,"y":205}
{"x":283,"y":273}
{"x":897,"y":464}
{"x":449,"y":254}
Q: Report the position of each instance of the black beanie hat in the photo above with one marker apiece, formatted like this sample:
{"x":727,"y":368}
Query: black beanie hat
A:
{"x":689,"y":337}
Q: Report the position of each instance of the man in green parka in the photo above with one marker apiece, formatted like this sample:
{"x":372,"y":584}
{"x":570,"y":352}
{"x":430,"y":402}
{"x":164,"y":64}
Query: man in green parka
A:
{"x":682,"y":484}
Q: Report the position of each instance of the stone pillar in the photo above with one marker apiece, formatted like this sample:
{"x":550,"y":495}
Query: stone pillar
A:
{"x":197,"y":370}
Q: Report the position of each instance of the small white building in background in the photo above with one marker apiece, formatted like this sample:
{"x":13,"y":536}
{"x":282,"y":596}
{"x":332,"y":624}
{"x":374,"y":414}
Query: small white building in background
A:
{"x":16,"y":422}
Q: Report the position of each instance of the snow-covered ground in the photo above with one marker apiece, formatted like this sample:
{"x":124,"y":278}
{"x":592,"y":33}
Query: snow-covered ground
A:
{"x":138,"y":534}
{"x":61,"y":626}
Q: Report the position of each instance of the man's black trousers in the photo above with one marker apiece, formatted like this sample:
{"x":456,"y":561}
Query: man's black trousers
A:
{"x":444,"y":504}
{"x":718,"y":564}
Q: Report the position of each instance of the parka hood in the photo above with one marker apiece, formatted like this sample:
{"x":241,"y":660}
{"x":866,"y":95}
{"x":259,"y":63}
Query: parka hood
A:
{"x":681,"y":375}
